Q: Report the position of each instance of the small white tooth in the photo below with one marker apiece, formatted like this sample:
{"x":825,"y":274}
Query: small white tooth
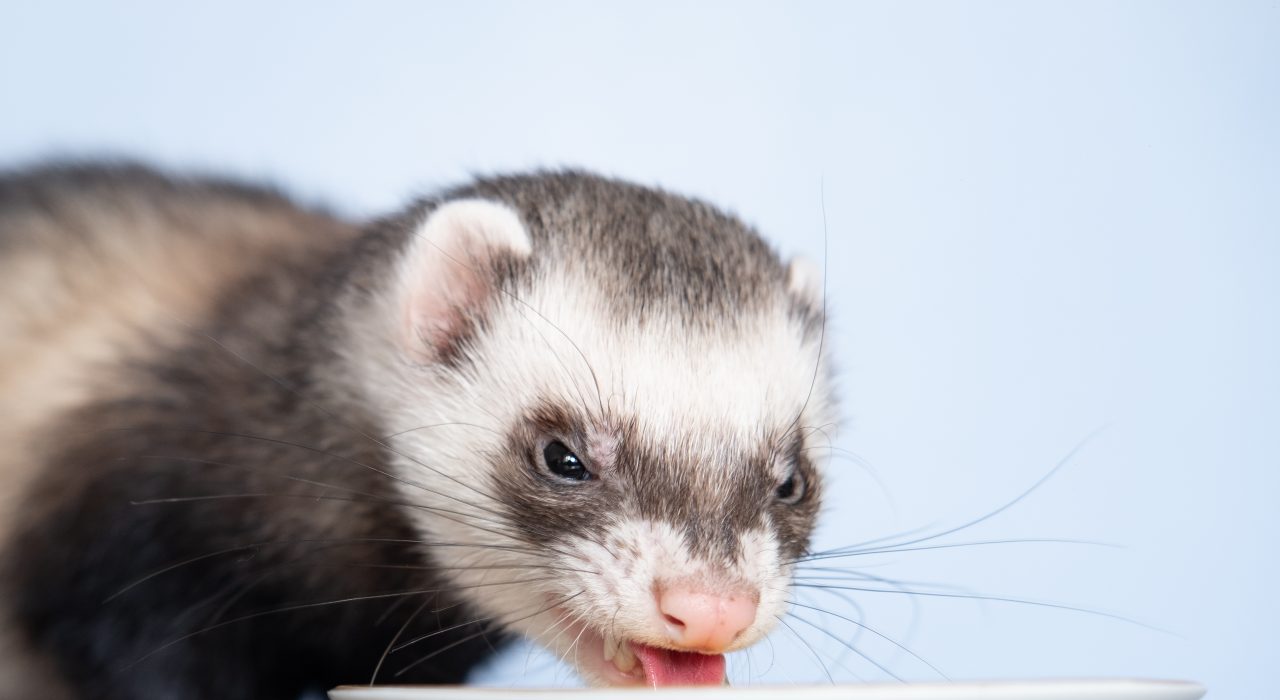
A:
{"x":610,"y":647}
{"x":625,"y":659}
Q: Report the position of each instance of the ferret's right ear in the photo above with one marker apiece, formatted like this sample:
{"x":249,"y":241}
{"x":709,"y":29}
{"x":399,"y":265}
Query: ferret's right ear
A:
{"x":449,"y":275}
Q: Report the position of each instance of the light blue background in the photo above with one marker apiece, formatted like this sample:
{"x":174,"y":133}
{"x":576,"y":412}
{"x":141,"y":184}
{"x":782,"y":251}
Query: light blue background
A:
{"x":1041,"y":218}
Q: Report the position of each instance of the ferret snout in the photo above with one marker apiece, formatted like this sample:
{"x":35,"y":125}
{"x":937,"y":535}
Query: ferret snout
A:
{"x":699,"y":617}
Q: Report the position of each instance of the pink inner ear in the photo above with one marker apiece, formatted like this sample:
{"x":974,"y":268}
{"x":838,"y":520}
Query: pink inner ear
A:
{"x":438,"y":312}
{"x":448,"y":272}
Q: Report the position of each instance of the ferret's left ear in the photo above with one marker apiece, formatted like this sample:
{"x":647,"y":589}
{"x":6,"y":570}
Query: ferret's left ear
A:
{"x":804,"y":283}
{"x":450,"y":273}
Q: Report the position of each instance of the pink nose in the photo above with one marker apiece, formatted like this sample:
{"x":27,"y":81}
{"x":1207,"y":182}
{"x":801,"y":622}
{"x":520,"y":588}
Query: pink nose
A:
{"x":703,"y":621}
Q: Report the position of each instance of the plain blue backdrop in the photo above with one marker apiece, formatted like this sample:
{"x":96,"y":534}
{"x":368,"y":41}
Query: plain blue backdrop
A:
{"x":1040,"y":219}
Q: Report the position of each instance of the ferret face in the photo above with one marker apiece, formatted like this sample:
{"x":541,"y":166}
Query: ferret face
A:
{"x":616,"y":455}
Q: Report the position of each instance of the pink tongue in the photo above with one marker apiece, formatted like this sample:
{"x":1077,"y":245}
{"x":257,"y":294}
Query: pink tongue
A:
{"x":665,"y":667}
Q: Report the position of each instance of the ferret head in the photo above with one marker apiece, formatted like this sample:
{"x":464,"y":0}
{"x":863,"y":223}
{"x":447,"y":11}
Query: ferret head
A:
{"x":605,"y":397}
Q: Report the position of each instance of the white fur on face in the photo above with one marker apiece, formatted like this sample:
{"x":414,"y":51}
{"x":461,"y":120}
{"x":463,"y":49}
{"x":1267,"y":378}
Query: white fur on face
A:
{"x":709,"y":391}
{"x":635,"y":556}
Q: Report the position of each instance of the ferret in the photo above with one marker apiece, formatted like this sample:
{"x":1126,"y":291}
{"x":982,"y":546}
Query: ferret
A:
{"x":251,"y":449}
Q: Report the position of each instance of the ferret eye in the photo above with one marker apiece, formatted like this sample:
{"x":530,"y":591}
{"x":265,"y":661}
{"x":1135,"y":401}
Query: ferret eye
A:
{"x":791,"y":490}
{"x":563,"y":462}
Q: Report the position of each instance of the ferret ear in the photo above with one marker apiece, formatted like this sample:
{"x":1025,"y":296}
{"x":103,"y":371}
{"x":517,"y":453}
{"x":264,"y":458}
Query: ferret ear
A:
{"x":450,"y":275}
{"x":804,"y":283}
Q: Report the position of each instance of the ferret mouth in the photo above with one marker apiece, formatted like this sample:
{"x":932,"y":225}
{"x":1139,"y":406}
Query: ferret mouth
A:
{"x":604,"y":659}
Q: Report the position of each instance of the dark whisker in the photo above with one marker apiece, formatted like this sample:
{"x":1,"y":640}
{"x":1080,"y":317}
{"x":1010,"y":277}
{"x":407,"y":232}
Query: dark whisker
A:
{"x":344,"y":458}
{"x":864,"y":626}
{"x":344,"y":540}
{"x":276,"y":567}
{"x":847,"y":598}
{"x":773,"y":656}
{"x":876,"y":579}
{"x":387,"y":651}
{"x":406,"y":431}
{"x":391,"y":609}
{"x":307,"y":606}
{"x":311,"y":482}
{"x":837,"y":554}
{"x":242,"y":618}
{"x":425,"y":567}
{"x":322,"y":497}
{"x":976,"y":521}
{"x":878,"y":540}
{"x":419,"y":638}
{"x":965,"y":596}
{"x":477,"y":426}
{"x":899,"y":585}
{"x":467,"y":517}
{"x":843,"y":643}
{"x":861,"y":463}
{"x":809,"y":647}
{"x":468,"y":638}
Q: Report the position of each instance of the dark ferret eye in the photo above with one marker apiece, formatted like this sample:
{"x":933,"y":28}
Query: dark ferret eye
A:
{"x":791,"y":490}
{"x":563,"y":462}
